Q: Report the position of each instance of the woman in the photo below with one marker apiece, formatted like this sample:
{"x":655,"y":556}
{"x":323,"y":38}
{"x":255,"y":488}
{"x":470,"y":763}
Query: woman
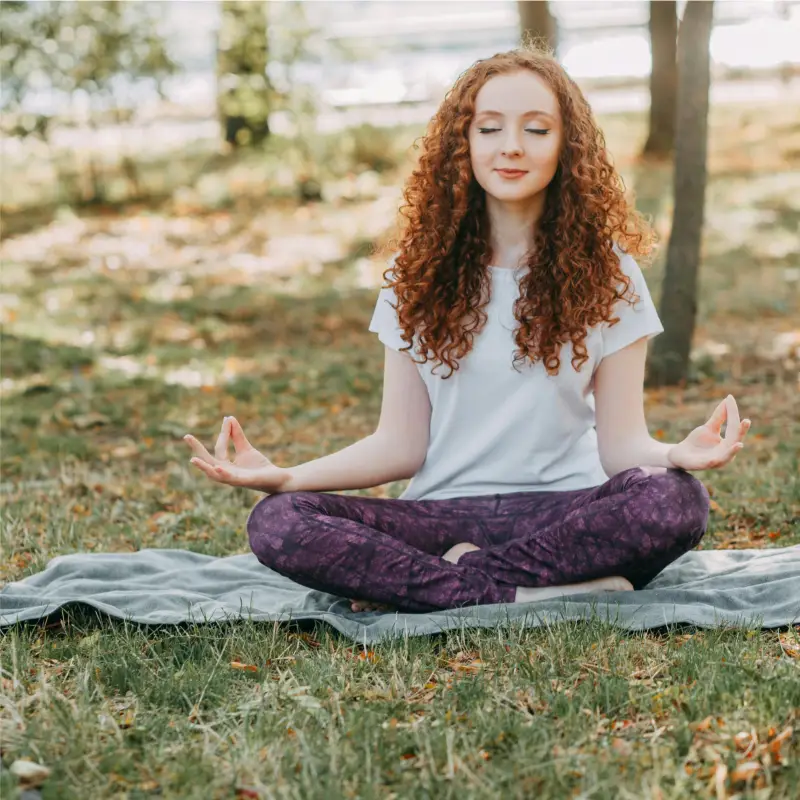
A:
{"x":519,"y":415}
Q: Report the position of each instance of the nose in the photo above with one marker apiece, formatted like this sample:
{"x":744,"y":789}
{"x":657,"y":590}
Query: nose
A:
{"x":512,"y":146}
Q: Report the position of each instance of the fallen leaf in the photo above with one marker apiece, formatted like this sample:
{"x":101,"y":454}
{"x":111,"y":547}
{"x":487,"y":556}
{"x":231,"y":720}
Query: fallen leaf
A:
{"x":720,"y":775}
{"x":128,"y":718}
{"x":29,"y":772}
{"x":775,"y":744}
{"x":745,"y":771}
{"x":702,"y":725}
{"x":789,"y":646}
{"x":621,"y":746}
{"x":361,"y":655}
{"x":306,"y":637}
{"x":247,"y":667}
{"x":84,"y":421}
{"x":743,"y":740}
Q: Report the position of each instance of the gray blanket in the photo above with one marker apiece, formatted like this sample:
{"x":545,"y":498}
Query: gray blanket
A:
{"x":708,"y":588}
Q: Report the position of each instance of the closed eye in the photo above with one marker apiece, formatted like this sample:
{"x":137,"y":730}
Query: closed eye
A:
{"x":538,"y":131}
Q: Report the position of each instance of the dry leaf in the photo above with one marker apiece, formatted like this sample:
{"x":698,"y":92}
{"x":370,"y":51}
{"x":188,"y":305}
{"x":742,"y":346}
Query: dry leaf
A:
{"x":29,"y":772}
{"x":745,"y":771}
{"x":129,"y":715}
{"x":84,"y":421}
{"x":361,"y":655}
{"x":720,"y":775}
{"x":247,"y":667}
{"x":774,"y":745}
{"x":702,"y":725}
{"x":621,"y":746}
{"x":472,"y":666}
{"x":789,"y":646}
{"x":306,"y":637}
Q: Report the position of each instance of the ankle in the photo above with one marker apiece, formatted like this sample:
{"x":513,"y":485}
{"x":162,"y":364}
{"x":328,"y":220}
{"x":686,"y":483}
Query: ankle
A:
{"x":458,"y":550}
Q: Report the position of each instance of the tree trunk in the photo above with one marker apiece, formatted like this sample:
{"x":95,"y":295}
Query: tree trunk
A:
{"x":663,"y":77}
{"x":243,"y":90}
{"x":537,"y":24}
{"x":669,"y":361}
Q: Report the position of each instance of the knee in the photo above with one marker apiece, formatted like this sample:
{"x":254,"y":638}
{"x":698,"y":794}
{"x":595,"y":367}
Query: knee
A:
{"x":682,"y":505}
{"x":269,"y":527}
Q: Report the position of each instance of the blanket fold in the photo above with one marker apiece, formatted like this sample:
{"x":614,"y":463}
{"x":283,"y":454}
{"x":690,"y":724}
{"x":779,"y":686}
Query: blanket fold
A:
{"x":707,"y":588}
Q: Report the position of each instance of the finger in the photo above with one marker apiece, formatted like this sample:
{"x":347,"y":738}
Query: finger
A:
{"x":730,"y":452}
{"x":228,"y":472}
{"x":718,"y":417}
{"x":743,"y":428}
{"x":741,"y":432}
{"x":221,"y":447}
{"x":223,"y":473}
{"x":198,"y":449}
{"x":732,"y":427}
{"x":207,"y":468}
{"x":239,"y":439}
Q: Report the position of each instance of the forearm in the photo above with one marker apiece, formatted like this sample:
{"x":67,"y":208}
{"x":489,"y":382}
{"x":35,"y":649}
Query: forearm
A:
{"x":371,"y":461}
{"x":641,"y":452}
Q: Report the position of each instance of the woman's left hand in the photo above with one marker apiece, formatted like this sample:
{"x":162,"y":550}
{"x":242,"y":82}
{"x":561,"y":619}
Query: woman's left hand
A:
{"x":704,"y":447}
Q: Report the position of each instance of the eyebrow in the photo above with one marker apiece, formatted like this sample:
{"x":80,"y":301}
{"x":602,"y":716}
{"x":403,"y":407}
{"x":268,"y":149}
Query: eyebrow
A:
{"x":536,"y":113}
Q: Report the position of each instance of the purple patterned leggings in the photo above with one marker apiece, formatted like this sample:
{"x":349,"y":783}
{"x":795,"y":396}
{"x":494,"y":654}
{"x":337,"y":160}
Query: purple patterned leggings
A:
{"x":389,"y":551}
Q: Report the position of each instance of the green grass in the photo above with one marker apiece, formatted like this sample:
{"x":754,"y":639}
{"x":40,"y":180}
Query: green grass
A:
{"x":569,"y":710}
{"x":106,"y":364}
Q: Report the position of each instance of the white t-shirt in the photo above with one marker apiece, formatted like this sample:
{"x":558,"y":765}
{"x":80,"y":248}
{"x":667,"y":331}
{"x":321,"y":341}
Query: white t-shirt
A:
{"x":496,"y":430}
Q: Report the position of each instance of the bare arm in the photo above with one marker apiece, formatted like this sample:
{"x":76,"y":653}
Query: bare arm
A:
{"x":395,"y":451}
{"x":622,"y":436}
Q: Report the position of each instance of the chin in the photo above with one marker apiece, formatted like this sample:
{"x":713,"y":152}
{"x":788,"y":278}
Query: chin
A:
{"x":509,"y":193}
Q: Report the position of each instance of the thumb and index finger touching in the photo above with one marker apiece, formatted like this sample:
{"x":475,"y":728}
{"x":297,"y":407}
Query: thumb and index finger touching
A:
{"x":231,"y":432}
{"x":728,"y":411}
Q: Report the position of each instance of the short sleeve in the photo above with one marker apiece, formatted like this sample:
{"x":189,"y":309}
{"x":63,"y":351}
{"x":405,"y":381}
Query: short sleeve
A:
{"x":384,"y":320}
{"x":635,"y":321}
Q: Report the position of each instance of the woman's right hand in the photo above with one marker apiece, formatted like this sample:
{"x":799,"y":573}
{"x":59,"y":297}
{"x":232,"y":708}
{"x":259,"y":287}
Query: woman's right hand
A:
{"x":249,"y":467}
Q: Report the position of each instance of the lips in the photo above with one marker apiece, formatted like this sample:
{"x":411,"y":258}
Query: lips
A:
{"x":513,"y":173}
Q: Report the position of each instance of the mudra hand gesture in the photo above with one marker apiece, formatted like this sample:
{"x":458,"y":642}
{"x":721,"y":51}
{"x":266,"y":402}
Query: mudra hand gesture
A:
{"x":704,"y":447}
{"x":249,"y":467}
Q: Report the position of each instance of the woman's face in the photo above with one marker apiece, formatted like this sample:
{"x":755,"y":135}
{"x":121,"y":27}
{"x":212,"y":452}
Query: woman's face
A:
{"x":516,"y":126}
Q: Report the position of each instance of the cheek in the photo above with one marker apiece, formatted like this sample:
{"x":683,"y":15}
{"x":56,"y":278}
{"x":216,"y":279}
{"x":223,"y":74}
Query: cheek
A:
{"x":551,"y":156}
{"x":482,"y":161}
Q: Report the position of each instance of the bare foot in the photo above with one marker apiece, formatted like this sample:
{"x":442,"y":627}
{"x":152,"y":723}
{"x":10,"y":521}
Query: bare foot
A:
{"x":367,"y":605}
{"x":615,"y":583}
{"x":458,"y":550}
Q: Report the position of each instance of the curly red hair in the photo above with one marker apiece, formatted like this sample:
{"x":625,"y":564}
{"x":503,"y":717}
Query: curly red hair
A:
{"x":440,"y":273}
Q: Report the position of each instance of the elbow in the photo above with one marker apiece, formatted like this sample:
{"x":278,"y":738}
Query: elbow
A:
{"x":607,"y":467}
{"x":407,"y":456}
{"x":612,"y":462}
{"x":410,"y":463}
{"x":414,"y":466}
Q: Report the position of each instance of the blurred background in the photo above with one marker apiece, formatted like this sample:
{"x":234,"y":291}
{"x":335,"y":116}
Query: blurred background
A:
{"x":191,"y":197}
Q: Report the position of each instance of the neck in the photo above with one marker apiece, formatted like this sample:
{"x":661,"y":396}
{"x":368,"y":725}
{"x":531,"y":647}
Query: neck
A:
{"x":513,"y":227}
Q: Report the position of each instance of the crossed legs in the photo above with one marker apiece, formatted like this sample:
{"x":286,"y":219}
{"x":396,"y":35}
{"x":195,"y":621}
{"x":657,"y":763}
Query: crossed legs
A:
{"x":392,"y":551}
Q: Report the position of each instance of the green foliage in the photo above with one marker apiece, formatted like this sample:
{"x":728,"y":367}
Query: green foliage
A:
{"x":70,"y":47}
{"x":244,"y":93}
{"x":372,"y":147}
